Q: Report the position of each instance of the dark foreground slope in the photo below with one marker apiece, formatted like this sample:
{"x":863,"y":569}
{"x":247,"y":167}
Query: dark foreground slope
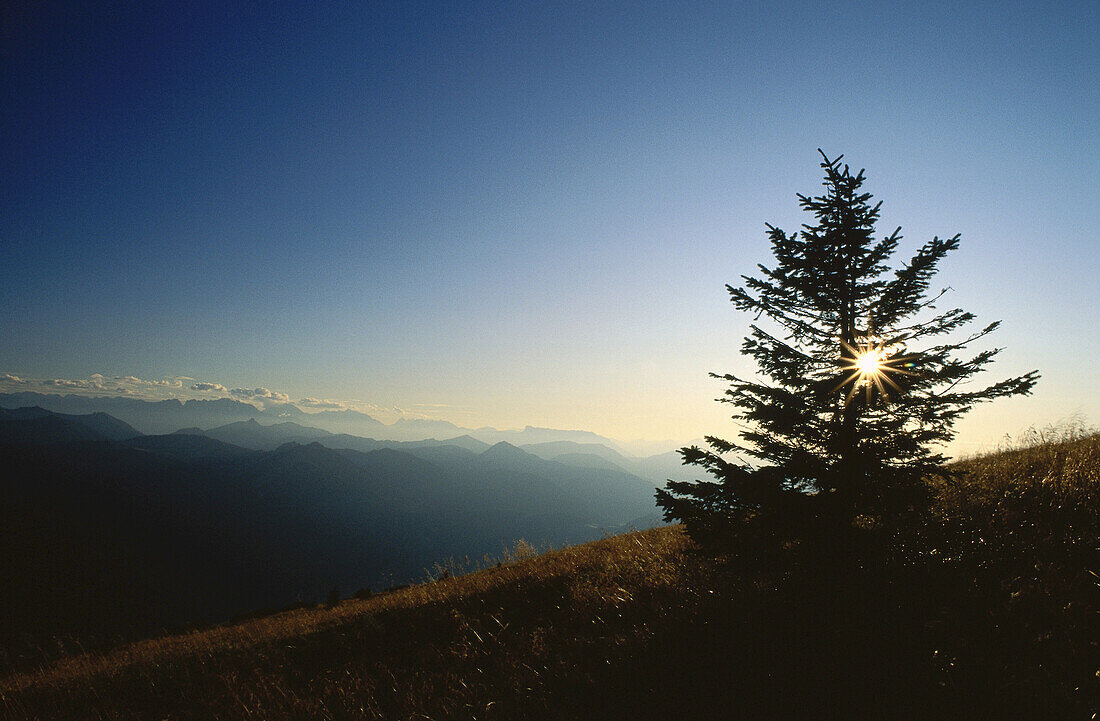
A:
{"x":983,"y":608}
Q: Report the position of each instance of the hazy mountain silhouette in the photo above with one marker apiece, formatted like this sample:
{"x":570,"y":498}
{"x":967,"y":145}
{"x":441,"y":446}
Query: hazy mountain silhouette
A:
{"x":579,"y":453}
{"x":282,"y":412}
{"x":346,"y":421}
{"x":67,"y":427}
{"x":46,"y":429}
{"x":359,"y":443}
{"x":532,"y":434}
{"x":160,"y":417}
{"x":412,"y":429}
{"x":466,"y":441}
{"x":350,"y":429}
{"x":588,"y":460}
{"x":189,"y":447}
{"x":154,"y":417}
{"x":504,"y":453}
{"x":256,"y":436}
{"x":656,"y":469}
{"x":661,"y":467}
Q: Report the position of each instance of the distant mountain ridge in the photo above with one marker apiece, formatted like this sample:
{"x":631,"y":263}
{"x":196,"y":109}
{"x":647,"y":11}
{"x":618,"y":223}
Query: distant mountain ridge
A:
{"x":253,"y":435}
{"x":90,"y":426}
{"x":244,"y":425}
{"x":151,"y":417}
{"x":169,"y":416}
{"x":256,"y":436}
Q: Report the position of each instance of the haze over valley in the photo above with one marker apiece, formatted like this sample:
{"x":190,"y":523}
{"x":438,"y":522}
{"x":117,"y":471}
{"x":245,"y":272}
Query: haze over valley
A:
{"x":113,"y":531}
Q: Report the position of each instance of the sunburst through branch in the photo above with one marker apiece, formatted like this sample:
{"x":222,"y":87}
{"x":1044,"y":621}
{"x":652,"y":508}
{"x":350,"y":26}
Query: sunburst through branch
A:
{"x":869,"y":365}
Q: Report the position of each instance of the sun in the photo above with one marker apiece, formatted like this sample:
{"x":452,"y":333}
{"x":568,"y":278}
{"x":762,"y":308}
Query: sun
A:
{"x":870,"y":365}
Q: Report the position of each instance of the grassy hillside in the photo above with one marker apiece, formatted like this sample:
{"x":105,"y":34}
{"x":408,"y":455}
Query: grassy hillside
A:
{"x":983,"y":608}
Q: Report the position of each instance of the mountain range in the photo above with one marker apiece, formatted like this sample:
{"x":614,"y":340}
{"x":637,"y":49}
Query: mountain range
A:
{"x":257,"y":436}
{"x":167,"y":416}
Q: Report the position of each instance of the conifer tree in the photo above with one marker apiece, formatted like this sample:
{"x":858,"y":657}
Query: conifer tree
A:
{"x":866,"y":379}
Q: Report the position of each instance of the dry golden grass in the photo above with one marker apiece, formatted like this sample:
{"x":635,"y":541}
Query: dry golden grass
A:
{"x":254,"y":669}
{"x":1067,"y":463}
{"x":1042,"y":498}
{"x":275,"y":628}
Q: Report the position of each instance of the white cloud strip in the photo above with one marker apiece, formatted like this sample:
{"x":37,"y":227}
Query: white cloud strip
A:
{"x":260,"y":394}
{"x":321,"y":404}
{"x":186,"y":388}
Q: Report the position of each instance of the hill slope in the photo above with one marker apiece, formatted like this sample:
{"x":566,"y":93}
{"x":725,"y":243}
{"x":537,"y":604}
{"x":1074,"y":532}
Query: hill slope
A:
{"x":34,"y":424}
{"x":954,"y":616}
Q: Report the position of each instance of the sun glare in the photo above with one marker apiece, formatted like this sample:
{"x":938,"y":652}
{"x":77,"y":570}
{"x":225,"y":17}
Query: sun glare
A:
{"x":869,"y":363}
{"x":871,"y":367}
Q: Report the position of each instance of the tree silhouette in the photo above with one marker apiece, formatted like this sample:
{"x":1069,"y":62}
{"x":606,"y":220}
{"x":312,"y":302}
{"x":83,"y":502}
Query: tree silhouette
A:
{"x":849,"y":425}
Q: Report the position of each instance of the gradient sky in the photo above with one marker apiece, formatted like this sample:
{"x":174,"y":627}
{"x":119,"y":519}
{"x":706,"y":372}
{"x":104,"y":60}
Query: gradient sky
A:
{"x":525,"y":213}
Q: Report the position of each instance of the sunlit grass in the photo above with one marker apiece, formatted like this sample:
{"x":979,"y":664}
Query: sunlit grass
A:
{"x":456,"y":618}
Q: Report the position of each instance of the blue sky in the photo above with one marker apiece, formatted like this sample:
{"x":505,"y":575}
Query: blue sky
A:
{"x":525,"y":213}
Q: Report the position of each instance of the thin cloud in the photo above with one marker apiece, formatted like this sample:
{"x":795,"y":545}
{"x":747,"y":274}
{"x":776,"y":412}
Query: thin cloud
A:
{"x":260,"y":394}
{"x":186,"y":388}
{"x":65,"y":383}
{"x":322,"y":404}
{"x":209,"y":387}
{"x":138,"y":382}
{"x":96,"y":384}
